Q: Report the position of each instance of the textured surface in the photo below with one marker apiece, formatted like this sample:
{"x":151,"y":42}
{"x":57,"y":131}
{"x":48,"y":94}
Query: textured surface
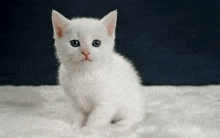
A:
{"x":172,"y":112}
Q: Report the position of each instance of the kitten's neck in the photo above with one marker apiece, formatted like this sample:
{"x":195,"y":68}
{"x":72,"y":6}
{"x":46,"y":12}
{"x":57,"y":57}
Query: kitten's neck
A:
{"x":89,"y":67}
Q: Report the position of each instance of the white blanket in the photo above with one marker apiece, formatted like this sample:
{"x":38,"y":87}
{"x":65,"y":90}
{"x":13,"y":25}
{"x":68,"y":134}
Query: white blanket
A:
{"x":171,"y":112}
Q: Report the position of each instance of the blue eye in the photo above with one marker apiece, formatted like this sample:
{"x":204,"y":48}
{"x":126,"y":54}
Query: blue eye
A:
{"x":75,"y":43}
{"x":96,"y":43}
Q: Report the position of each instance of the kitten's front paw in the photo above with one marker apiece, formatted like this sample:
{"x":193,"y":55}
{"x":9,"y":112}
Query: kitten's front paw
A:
{"x":76,"y":129}
{"x":85,"y":132}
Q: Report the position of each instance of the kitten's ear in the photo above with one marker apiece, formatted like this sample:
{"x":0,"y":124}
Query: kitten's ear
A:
{"x":59,"y":24}
{"x":110,"y":22}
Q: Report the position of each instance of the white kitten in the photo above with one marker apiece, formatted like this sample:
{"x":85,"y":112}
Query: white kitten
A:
{"x":104,"y":87}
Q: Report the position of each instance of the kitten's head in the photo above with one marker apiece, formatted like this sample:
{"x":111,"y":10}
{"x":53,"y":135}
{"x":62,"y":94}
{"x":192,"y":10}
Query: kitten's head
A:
{"x":84,"y":42}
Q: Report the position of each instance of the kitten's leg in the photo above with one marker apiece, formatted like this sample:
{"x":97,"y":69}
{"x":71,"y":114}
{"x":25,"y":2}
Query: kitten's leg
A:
{"x":124,"y":129}
{"x":76,"y":116}
{"x":126,"y":125}
{"x":100,"y":116}
{"x":129,"y":120}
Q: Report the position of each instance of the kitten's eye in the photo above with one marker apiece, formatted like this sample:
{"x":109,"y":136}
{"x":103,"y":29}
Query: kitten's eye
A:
{"x":75,"y":43}
{"x":96,"y":43}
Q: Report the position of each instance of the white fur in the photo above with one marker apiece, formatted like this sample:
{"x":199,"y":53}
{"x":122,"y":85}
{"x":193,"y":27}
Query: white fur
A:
{"x":105,"y":89}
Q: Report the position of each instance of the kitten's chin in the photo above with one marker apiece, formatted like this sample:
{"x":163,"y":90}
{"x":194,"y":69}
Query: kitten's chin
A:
{"x":86,"y":60}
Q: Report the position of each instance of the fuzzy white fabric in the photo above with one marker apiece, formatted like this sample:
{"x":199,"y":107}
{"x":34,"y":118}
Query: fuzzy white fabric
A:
{"x":171,"y":112}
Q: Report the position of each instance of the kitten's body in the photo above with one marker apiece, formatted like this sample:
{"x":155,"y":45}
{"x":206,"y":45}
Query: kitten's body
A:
{"x":103,"y":85}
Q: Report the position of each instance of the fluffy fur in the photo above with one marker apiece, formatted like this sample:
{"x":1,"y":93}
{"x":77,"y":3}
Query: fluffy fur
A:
{"x":105,"y":90}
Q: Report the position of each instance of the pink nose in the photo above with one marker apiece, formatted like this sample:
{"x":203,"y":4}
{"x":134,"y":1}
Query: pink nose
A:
{"x":85,"y":52}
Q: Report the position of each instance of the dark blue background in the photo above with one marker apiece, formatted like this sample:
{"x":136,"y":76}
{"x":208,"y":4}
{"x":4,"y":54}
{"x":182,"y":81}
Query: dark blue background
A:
{"x":176,"y":42}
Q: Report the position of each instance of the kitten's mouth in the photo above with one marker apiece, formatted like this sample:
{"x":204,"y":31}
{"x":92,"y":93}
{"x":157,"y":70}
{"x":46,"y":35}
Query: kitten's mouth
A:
{"x":86,"y":60}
